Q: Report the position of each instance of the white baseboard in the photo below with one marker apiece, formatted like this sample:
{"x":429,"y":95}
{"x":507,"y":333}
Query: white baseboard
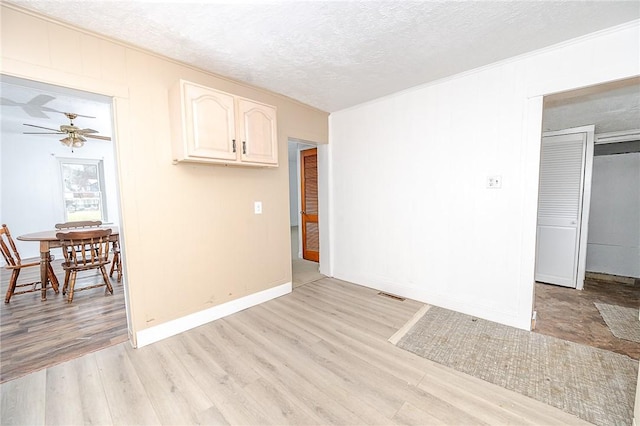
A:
{"x":179,"y":325}
{"x":458,"y":304}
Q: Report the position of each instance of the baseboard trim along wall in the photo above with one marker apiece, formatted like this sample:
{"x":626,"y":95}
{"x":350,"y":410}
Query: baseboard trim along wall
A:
{"x":177,"y":326}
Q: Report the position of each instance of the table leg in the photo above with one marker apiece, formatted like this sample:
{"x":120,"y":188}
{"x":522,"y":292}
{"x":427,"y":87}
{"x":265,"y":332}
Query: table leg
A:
{"x":44,"y":268}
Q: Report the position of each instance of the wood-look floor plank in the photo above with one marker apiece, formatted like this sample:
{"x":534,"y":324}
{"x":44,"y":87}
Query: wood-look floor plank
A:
{"x":323,"y":307}
{"x":373,"y":383}
{"x":75,"y":394}
{"x":410,"y":415}
{"x":234,"y":405}
{"x":367,"y":301}
{"x":22,"y":401}
{"x":470,"y":391}
{"x":278,"y":406}
{"x":37,"y":334}
{"x":242,"y":353}
{"x":388,"y":391}
{"x":369,"y":296}
{"x":339,"y":305}
{"x":174,"y":394}
{"x":370,"y":301}
{"x":312,"y":380}
{"x":128,"y":401}
{"x":311,"y":357}
{"x":337,"y":332}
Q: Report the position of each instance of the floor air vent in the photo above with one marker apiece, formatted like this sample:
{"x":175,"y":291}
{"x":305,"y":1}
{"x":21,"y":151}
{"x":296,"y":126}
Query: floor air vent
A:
{"x":391,"y":296}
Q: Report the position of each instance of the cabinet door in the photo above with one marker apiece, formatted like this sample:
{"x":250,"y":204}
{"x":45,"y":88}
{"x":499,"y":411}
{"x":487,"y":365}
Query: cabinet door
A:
{"x":210,"y":125}
{"x":258,"y":132}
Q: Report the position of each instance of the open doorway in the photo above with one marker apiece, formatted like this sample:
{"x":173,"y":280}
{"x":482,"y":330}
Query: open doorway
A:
{"x":45,"y":182}
{"x":304,"y":206}
{"x":611,"y":253}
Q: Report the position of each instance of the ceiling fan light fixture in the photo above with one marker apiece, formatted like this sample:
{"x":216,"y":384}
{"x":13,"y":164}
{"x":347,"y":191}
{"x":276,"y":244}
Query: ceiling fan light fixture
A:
{"x":75,"y":135}
{"x":73,"y":141}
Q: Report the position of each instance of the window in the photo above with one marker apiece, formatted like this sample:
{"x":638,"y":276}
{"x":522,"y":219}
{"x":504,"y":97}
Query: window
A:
{"x":83,"y":189}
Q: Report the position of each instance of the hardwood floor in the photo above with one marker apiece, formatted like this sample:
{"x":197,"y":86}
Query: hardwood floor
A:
{"x":36,"y":334}
{"x":319,"y":355}
{"x":570,"y":314}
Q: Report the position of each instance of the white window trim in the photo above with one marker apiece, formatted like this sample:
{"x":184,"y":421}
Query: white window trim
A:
{"x":99,"y":163}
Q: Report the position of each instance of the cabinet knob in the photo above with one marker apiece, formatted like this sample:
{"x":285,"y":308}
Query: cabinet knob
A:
{"x":244,"y":147}
{"x":234,"y":145}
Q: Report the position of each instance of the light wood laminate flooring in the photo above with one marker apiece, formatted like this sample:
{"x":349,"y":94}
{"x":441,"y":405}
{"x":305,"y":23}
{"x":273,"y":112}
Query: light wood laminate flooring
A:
{"x":319,"y":355}
{"x":36,"y":334}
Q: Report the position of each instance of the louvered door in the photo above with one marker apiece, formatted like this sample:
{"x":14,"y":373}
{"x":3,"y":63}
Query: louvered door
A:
{"x":309,"y":204}
{"x":562,"y":166}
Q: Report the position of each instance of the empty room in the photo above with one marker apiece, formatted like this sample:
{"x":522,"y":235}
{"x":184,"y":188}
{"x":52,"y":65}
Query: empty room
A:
{"x":320,"y":212}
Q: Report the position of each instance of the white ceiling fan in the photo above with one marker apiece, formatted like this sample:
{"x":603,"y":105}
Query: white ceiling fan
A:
{"x":75,"y":136}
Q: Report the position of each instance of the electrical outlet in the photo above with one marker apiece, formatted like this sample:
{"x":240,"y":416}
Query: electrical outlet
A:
{"x":494,"y":182}
{"x":257,"y":207}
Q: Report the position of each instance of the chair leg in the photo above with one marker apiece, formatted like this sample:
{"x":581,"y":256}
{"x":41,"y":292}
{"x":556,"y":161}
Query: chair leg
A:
{"x":119,"y":268}
{"x":54,"y":280}
{"x":12,"y":285}
{"x":106,"y":279}
{"x":66,"y":282}
{"x":116,"y":263}
{"x":72,"y":284}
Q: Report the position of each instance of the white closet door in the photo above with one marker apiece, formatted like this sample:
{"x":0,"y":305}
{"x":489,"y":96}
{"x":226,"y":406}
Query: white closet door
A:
{"x":562,"y":166}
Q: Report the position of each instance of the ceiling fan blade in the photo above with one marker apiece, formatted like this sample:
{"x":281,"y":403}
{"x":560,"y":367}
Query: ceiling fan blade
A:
{"x":40,"y":127}
{"x":104,"y":138}
{"x":84,"y":131}
{"x":43,"y":133}
{"x":73,"y":113}
{"x":8,"y":102}
{"x":35,"y":106}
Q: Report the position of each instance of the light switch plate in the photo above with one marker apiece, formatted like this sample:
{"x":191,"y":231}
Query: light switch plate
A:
{"x":494,"y":182}
{"x":257,"y":207}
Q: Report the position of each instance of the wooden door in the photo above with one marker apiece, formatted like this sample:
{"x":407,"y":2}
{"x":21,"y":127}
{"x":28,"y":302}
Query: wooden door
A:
{"x":309,"y":203}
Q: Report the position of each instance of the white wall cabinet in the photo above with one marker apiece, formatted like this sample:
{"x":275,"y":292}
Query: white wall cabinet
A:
{"x":211,"y":126}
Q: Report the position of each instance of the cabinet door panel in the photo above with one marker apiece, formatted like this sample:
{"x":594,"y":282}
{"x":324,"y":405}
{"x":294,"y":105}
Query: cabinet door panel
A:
{"x":211,"y":124}
{"x":258,"y":132}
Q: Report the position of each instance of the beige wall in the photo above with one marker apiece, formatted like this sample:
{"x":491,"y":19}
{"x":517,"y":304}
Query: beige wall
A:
{"x":191,"y":239}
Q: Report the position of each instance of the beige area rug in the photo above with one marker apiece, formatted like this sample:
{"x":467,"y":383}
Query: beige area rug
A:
{"x":623,"y":322}
{"x":593,"y":384}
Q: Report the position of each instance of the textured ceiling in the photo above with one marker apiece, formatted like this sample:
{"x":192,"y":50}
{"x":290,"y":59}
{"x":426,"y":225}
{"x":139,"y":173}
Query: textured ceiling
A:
{"x":336,"y":54}
{"x":28,"y":102}
{"x":612,"y":107}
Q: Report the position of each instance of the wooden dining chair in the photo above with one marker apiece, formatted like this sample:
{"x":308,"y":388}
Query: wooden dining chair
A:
{"x":79,"y":224}
{"x":15,"y":264}
{"x":84,"y":249}
{"x":116,"y":263}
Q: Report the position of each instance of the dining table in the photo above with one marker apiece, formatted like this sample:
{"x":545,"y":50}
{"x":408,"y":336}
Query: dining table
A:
{"x":48,"y":240}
